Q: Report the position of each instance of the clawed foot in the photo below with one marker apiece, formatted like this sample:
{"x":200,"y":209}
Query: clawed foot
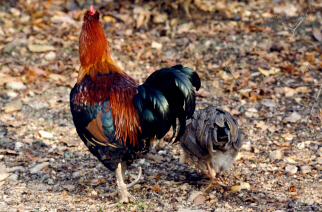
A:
{"x":126,"y":197}
{"x":214,"y":183}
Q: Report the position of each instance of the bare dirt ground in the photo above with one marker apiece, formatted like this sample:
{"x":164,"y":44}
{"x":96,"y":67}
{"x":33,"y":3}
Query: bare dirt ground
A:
{"x":45,"y":167}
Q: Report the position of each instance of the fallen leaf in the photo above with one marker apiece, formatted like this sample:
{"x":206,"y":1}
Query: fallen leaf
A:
{"x":203,"y":93}
{"x":268,"y":103}
{"x":245,"y":185}
{"x":13,"y":106}
{"x":208,"y":5}
{"x":294,"y":117}
{"x":8,"y":152}
{"x":156,"y":45}
{"x":262,"y":125}
{"x":3,"y":173}
{"x":272,"y":71}
{"x":155,"y":188}
{"x":287,"y":136}
{"x":235,"y":188}
{"x":199,"y":200}
{"x":4,"y":78}
{"x":40,"y":48}
{"x":292,"y":189}
{"x":317,"y":34}
{"x":242,"y":185}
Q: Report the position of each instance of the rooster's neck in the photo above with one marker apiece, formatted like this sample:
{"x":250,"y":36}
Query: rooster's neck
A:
{"x":94,"y":52}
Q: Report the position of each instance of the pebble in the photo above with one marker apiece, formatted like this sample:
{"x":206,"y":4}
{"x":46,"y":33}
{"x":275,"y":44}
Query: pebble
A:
{"x":306,"y":169}
{"x":162,"y":152}
{"x":301,"y":145}
{"x":50,"y":182}
{"x":15,"y":11}
{"x":252,"y":112}
{"x":188,"y":210}
{"x":38,"y":105}
{"x":16,"y":168}
{"x":275,"y":155}
{"x":319,"y":160}
{"x":15,"y":86}
{"x":45,"y":134}
{"x":156,"y":45}
{"x":137,"y":186}
{"x":245,"y":170}
{"x":50,"y":56}
{"x":221,"y":210}
{"x":184,"y":187}
{"x":38,"y":167}
{"x":13,"y":177}
{"x":76,"y":174}
{"x":18,"y":145}
{"x":142,"y":161}
{"x":194,"y":195}
{"x":291,"y":169}
{"x":15,"y":105}
{"x":12,"y":94}
{"x":69,"y":187}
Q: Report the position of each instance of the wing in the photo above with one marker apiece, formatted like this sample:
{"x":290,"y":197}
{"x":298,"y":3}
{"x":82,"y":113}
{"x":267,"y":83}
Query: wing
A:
{"x":105,"y":118}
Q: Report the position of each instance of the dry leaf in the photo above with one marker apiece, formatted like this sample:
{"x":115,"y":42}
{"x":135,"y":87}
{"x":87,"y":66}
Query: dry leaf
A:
{"x":208,"y":5}
{"x":317,"y":34}
{"x":262,"y":125}
{"x":8,"y":152}
{"x":13,"y":106}
{"x":155,"y":188}
{"x":40,"y":48}
{"x":199,"y":200}
{"x":203,"y":93}
{"x":4,"y":78}
{"x":294,"y":117}
{"x":235,"y":188}
{"x":267,"y":73}
{"x":156,"y":45}
{"x":292,"y":189}
{"x":3,"y":173}
{"x":242,"y":185}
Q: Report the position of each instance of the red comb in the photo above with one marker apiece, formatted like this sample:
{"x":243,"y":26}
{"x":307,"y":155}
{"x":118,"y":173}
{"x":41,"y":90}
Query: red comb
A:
{"x":91,"y":10}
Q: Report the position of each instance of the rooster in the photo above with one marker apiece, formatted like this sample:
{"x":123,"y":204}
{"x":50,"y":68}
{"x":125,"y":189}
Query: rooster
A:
{"x":211,"y":141}
{"x":114,"y":116}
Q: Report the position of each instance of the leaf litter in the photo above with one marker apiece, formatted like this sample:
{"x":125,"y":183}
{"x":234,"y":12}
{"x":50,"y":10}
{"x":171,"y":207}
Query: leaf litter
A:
{"x":278,"y":169}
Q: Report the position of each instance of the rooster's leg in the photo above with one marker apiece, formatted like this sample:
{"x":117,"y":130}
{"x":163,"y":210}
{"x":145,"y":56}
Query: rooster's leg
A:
{"x":125,"y":196}
{"x":214,"y":181}
{"x":129,"y":185}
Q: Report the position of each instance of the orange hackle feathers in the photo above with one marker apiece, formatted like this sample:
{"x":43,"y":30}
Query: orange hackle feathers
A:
{"x":125,"y":116}
{"x":94,"y":50}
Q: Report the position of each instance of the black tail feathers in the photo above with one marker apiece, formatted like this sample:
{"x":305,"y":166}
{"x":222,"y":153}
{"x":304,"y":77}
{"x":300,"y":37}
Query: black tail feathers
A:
{"x":166,"y":95}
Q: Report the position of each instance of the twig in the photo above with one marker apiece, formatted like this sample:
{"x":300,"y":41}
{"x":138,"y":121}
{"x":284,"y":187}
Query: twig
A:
{"x":310,"y":47}
{"x":225,"y":68}
{"x":286,"y":85}
{"x":303,"y":18}
{"x":265,"y":86}
{"x":315,"y":100}
{"x":204,"y":102}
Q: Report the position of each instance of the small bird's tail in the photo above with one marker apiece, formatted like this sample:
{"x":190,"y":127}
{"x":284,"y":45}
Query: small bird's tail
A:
{"x":166,"y":95}
{"x":210,"y":129}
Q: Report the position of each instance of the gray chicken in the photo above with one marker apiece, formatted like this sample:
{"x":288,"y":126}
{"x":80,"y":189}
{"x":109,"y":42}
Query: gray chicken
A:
{"x":211,"y":141}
